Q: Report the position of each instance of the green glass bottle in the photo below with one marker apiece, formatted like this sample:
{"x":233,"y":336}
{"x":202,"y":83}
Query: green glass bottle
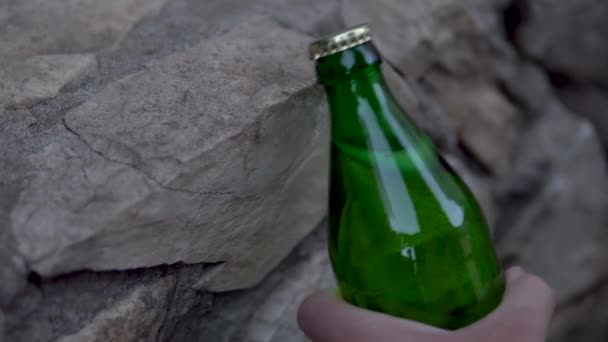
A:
{"x":406,"y":235}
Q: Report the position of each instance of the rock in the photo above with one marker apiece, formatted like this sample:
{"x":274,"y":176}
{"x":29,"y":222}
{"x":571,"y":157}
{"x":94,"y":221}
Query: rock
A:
{"x":2,"y":326}
{"x":526,"y":85}
{"x":275,"y":319}
{"x":39,"y":27}
{"x":487,"y":123}
{"x":138,"y":317}
{"x":197,"y":160}
{"x":568,"y":37}
{"x":317,"y":18}
{"x":26,"y":82}
{"x":579,"y":319}
{"x":575,"y":58}
{"x":560,"y":233}
{"x":13,"y":269}
{"x":12,"y":274}
{"x":50,"y":308}
{"x":591,"y":103}
{"x":267,"y":313}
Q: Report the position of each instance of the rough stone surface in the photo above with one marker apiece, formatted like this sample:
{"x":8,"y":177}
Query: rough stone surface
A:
{"x":56,"y":307}
{"x":267,"y":313}
{"x":2,"y":336}
{"x":24,"y":83}
{"x":585,"y":318}
{"x":578,"y":48}
{"x":138,"y":317}
{"x":590,"y":102}
{"x":569,"y":207}
{"x":137,"y":150}
{"x":39,"y":27}
{"x":485,"y":120}
{"x":575,"y":54}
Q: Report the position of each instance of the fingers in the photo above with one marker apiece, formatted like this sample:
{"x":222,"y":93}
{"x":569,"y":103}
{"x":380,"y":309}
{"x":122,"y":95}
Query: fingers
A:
{"x":326,"y":318}
{"x":525,"y":312}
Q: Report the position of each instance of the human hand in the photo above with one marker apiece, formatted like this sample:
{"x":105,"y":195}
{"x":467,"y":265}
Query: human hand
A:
{"x":523,"y":316}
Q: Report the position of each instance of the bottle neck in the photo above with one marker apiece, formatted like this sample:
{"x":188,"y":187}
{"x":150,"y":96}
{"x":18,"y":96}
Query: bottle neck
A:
{"x":362,"y":106}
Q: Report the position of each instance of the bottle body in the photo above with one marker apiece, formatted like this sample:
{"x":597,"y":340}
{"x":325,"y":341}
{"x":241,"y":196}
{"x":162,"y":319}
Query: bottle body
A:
{"x":406,"y":236}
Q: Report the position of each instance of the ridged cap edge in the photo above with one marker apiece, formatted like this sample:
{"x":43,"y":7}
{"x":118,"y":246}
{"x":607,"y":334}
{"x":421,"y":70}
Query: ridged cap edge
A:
{"x":335,"y":43}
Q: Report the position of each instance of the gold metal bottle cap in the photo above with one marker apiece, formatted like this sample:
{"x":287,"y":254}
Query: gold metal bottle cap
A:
{"x":339,"y":42}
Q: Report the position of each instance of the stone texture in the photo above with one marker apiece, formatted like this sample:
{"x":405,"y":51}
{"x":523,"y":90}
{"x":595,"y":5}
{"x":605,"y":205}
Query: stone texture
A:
{"x":138,"y":317}
{"x":40,"y":27}
{"x":575,"y":55}
{"x":275,"y":318}
{"x":590,"y":102}
{"x":267,"y":313}
{"x":484,"y":119}
{"x":12,"y":274}
{"x":2,"y":336}
{"x":315,"y":17}
{"x":560,"y":234}
{"x":13,"y":270}
{"x":25,"y":82}
{"x":577,"y":49}
{"x":139,"y":149}
{"x":583,"y":319}
{"x":50,"y":308}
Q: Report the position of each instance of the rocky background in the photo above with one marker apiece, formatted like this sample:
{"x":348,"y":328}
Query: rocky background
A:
{"x":162,"y":162}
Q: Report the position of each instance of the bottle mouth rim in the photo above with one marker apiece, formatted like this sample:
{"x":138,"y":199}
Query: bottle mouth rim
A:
{"x":340,"y":41}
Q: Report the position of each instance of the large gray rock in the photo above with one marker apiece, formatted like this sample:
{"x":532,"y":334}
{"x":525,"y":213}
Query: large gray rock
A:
{"x":560,"y":233}
{"x":26,"y":82}
{"x":590,"y":102}
{"x":218,"y":159}
{"x":584,"y":318}
{"x":568,"y":37}
{"x":2,"y":336}
{"x":486,"y":121}
{"x":137,"y":317}
{"x":40,"y":27}
{"x":267,"y":313}
{"x":46,"y":45}
{"x":314,"y":17}
{"x":275,"y":318}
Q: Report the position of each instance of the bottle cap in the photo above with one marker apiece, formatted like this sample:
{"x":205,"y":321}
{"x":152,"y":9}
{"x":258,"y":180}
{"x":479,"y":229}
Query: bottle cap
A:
{"x":339,"y":42}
